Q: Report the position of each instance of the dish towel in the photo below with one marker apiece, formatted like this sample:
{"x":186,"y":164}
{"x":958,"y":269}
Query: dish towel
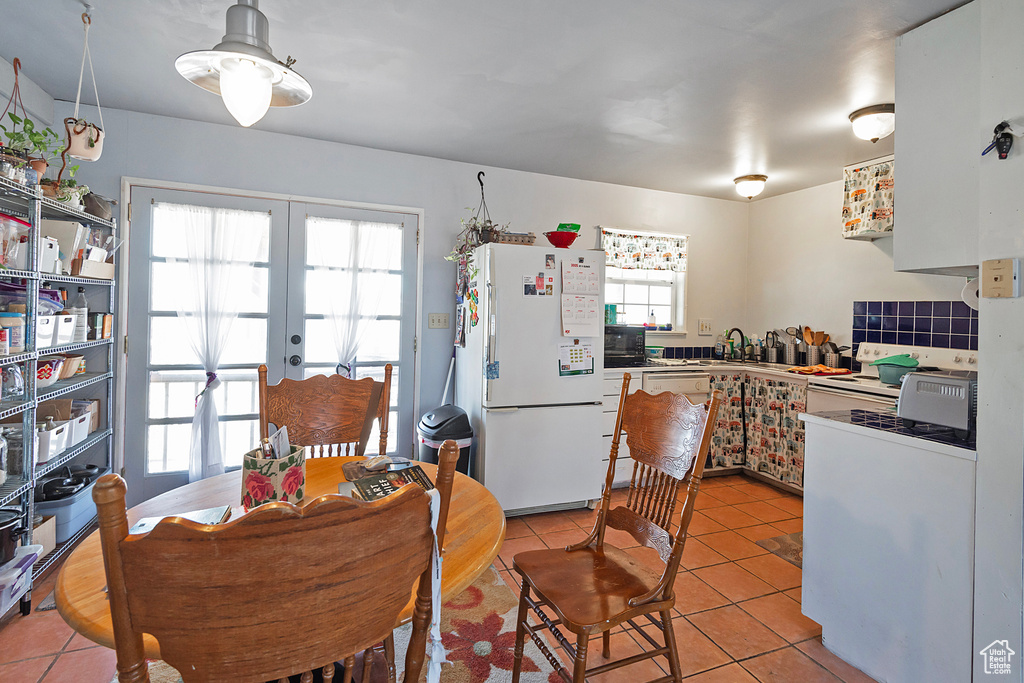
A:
{"x":435,"y":648}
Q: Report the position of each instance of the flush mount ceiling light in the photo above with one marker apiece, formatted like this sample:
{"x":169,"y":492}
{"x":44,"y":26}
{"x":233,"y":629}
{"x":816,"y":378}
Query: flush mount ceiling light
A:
{"x":242,"y":69}
{"x":874,"y":122}
{"x":750,"y":186}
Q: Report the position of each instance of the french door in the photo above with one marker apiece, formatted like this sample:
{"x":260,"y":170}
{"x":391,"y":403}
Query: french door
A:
{"x":285,"y":321}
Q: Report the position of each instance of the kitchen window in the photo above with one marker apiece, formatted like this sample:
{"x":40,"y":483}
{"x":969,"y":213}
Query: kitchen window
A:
{"x":645,"y":274}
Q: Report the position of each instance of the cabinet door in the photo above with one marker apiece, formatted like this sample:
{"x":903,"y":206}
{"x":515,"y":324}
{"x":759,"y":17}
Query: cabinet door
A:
{"x":726,"y":449}
{"x":938,"y":143}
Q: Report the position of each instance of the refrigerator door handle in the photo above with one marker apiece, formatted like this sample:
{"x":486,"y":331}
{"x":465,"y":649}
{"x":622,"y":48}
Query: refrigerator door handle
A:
{"x":502,"y":410}
{"x":492,"y":321}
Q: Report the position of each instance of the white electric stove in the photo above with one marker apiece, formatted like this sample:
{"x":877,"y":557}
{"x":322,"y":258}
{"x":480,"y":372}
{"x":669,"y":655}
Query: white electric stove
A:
{"x":865,"y":390}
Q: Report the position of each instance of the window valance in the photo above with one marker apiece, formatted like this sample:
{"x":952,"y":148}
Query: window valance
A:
{"x":644,"y":251}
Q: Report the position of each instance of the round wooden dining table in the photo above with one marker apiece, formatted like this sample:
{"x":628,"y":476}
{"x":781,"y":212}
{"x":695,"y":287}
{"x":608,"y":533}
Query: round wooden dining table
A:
{"x":475,"y":531}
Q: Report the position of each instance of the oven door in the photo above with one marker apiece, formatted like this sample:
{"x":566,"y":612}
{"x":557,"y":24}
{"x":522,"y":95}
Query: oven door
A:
{"x":821,"y":399}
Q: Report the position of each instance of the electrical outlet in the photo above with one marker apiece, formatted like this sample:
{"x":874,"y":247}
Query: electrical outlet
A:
{"x":704,"y":327}
{"x":437,"y":321}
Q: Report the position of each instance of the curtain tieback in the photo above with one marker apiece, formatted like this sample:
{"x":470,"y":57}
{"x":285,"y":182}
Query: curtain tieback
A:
{"x":346,"y":366}
{"x":211,"y":383}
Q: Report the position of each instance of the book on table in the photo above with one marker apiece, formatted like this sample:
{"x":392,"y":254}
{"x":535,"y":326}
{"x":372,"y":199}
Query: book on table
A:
{"x":377,"y":485}
{"x":214,"y":515}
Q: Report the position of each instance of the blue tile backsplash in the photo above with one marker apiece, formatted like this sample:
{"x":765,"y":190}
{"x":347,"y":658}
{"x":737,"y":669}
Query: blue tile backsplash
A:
{"x":944,"y":324}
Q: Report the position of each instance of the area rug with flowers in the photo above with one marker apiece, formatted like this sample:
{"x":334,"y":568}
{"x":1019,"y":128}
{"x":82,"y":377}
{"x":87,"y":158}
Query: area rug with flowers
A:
{"x":478,"y":629}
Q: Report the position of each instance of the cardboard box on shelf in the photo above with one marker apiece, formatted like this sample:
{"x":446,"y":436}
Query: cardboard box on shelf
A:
{"x":45,"y":534}
{"x":61,"y":410}
{"x":99,"y":270}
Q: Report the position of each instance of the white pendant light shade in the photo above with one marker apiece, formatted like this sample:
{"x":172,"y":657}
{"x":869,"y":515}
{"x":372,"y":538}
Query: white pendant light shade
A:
{"x":242,"y":69}
{"x":875,"y":122}
{"x":246,"y":89}
{"x":750,"y":186}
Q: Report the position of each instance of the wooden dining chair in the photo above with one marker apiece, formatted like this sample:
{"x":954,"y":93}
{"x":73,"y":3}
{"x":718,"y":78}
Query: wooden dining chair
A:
{"x":592,"y":586}
{"x":332,"y":415}
{"x":259,"y":598}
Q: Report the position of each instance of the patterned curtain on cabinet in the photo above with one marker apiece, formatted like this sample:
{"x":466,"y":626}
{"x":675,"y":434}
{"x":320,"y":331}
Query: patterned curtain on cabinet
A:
{"x":868,"y":198}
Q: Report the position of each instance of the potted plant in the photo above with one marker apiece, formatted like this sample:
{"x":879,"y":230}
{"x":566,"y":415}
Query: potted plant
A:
{"x":37,"y":147}
{"x":67,"y":189}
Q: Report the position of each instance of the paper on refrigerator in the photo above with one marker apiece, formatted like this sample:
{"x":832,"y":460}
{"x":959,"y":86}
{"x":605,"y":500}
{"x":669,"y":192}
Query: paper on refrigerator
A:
{"x":581,"y":296}
{"x":580,"y":316}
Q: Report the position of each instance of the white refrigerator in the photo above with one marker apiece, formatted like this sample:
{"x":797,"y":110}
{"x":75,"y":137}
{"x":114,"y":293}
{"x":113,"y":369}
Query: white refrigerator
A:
{"x":537,"y":428}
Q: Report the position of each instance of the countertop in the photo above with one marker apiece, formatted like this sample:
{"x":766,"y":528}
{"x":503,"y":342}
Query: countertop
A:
{"x":886,"y":425}
{"x":715,"y":366}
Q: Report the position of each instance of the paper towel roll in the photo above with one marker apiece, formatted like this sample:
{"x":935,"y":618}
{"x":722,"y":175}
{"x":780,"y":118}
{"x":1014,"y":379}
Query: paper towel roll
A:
{"x":970,"y":293}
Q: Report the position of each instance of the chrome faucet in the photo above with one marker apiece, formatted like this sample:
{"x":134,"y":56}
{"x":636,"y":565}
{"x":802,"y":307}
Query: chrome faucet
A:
{"x":742,"y":344}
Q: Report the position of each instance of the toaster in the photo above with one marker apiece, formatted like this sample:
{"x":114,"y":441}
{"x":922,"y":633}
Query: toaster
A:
{"x":948,"y":398}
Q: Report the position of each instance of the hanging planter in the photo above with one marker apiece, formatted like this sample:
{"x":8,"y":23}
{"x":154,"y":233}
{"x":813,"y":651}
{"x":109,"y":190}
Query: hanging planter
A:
{"x":24,"y":144}
{"x":84,"y":139}
{"x":478,"y":230}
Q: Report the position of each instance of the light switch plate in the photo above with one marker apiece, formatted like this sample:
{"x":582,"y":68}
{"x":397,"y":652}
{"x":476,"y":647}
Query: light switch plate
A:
{"x":437,"y":321}
{"x":1000,"y":278}
{"x":704,"y":327}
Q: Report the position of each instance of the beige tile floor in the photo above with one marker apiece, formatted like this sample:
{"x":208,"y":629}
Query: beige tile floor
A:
{"x":738,"y":606}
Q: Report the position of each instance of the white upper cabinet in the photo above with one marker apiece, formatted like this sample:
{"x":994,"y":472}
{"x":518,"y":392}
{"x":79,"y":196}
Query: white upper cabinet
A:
{"x":938,"y":144}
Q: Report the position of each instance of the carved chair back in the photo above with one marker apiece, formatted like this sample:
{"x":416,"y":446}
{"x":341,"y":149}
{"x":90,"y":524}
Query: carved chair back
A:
{"x":267,"y":595}
{"x":331,"y":415}
{"x":668,"y":440}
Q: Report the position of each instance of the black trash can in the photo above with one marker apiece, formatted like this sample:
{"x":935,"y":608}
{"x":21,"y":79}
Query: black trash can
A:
{"x":441,"y":424}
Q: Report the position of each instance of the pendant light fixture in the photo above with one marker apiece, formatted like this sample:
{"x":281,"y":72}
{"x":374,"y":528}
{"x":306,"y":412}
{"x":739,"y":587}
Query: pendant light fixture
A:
{"x":750,"y":186}
{"x":874,"y":122}
{"x":242,"y":69}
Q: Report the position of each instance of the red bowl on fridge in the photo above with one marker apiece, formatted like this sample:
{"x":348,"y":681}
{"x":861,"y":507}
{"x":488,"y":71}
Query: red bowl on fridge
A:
{"x":561,"y":238}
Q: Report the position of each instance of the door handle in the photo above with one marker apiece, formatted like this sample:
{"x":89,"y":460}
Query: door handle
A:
{"x":295,"y":360}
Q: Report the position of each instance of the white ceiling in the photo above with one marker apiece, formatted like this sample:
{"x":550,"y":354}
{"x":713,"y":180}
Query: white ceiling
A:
{"x":661,"y":94}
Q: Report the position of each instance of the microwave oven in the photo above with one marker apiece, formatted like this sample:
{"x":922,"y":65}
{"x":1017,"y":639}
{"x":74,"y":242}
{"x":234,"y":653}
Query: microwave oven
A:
{"x":624,"y":346}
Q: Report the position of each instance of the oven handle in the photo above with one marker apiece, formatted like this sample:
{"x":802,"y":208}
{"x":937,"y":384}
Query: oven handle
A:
{"x":887,"y":401}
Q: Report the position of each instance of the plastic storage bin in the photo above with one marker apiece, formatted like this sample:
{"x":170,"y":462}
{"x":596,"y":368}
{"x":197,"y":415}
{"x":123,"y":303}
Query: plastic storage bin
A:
{"x":441,"y":424}
{"x":72,"y":513}
{"x":52,"y":441}
{"x":46,"y":326}
{"x":65,"y":331}
{"x":78,"y":429}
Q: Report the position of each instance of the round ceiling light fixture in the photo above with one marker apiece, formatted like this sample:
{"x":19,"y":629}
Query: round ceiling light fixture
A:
{"x":875,"y":122}
{"x":243,"y":70}
{"x":750,"y":186}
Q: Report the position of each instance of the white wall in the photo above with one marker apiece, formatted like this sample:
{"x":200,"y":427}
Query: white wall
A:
{"x":998,"y":577}
{"x":161,"y":148}
{"x":802,"y":271}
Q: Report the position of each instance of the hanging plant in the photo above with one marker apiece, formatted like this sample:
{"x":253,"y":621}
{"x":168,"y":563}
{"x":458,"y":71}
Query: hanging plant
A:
{"x":478,"y":230}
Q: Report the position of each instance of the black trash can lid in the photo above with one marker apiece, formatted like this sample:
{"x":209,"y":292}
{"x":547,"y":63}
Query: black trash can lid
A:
{"x":447,"y":421}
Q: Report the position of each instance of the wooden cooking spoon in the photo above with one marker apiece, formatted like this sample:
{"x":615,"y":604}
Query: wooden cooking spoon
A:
{"x":808,"y":336}
{"x":819,"y":338}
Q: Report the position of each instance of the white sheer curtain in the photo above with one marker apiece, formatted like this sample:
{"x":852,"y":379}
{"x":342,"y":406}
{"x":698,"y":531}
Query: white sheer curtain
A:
{"x":348,"y":256}
{"x":221,"y":246}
